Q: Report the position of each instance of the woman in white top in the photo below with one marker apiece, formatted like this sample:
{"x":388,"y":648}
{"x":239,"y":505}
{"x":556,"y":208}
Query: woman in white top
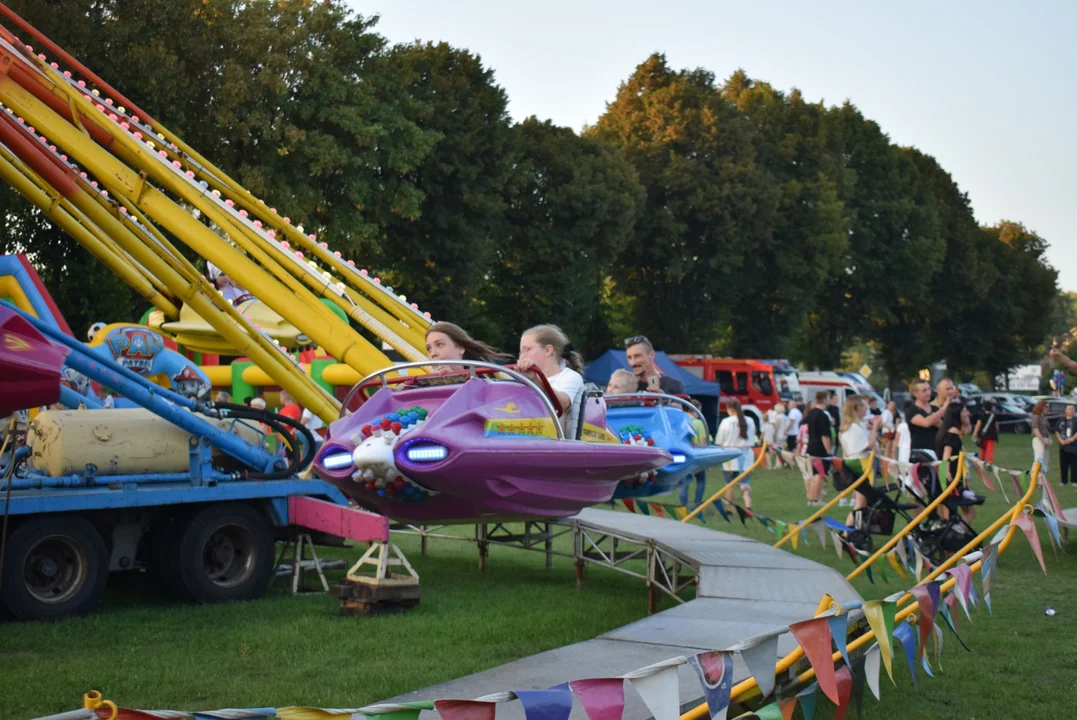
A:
{"x":769,"y":420}
{"x":546,"y":349}
{"x":779,"y":420}
{"x":738,"y":431}
{"x":856,"y":444}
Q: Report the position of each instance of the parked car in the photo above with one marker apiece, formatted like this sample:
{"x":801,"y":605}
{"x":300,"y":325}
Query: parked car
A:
{"x":1056,"y":410}
{"x":968,"y":389}
{"x":1010,"y":416}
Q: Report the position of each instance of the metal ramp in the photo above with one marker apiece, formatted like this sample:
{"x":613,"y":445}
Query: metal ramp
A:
{"x":743,"y":588}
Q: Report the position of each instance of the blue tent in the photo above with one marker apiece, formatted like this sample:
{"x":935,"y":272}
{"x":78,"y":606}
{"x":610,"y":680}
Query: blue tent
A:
{"x":602,"y":367}
{"x":600,"y":370}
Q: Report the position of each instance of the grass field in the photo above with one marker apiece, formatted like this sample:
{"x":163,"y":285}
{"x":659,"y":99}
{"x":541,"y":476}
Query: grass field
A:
{"x":143,"y":651}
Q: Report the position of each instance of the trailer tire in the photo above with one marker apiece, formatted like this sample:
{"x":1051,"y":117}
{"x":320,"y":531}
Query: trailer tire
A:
{"x":54,"y":567}
{"x":226,"y":552}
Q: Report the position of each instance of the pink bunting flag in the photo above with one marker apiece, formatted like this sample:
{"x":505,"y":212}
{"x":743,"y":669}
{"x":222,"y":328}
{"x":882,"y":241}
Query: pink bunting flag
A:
{"x":814,"y":636}
{"x":1050,"y":493}
{"x":602,"y":698}
{"x":465,"y":709}
{"x":1015,"y":478}
{"x":962,"y":576}
{"x":1028,"y":525}
{"x":844,"y":679}
{"x":978,"y":464}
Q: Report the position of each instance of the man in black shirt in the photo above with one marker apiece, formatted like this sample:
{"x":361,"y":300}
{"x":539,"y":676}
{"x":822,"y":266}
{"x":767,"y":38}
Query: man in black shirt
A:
{"x":819,"y":446}
{"x":640,"y":355}
{"x":833,"y":410}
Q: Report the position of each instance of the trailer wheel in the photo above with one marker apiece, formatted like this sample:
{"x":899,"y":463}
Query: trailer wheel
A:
{"x":54,"y":567}
{"x":226,"y":553}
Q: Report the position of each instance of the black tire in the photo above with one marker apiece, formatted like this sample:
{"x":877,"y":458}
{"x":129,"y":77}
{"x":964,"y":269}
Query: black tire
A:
{"x":54,"y":567}
{"x":1022,"y":428}
{"x":226,"y":552}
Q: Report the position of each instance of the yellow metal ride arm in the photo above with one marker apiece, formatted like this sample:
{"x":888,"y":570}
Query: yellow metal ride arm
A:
{"x":126,"y":154}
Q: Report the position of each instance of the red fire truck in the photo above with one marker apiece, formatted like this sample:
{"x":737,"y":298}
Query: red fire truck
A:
{"x":758,"y":384}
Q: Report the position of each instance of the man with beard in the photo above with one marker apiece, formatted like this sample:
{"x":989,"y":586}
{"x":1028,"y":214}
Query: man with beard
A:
{"x":640,"y":355}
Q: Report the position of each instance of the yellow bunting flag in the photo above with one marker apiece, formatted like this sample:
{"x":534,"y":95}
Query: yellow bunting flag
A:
{"x":892,"y":557}
{"x":873,"y":612}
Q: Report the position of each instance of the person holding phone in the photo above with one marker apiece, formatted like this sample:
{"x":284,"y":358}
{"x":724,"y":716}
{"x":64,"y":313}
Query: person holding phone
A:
{"x":639,"y":352}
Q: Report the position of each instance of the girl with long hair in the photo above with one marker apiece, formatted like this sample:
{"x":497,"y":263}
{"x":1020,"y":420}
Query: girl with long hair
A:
{"x":738,"y":431}
{"x":447,"y":341}
{"x":1041,"y":434}
{"x":546,"y":348}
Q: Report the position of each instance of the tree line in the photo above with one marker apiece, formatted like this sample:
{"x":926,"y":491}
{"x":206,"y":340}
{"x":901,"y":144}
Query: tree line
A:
{"x":713,"y":216}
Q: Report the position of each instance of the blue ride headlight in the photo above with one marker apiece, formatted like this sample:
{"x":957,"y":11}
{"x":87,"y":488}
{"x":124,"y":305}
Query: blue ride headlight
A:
{"x":678,"y":458}
{"x":426,"y":452}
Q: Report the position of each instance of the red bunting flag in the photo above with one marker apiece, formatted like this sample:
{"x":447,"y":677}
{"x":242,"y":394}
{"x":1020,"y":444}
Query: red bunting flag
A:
{"x":844,"y":679}
{"x":814,"y":636}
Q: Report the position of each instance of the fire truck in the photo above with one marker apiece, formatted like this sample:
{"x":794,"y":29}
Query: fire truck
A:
{"x":758,"y":384}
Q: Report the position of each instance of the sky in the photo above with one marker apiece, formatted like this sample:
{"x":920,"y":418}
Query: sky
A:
{"x":987,"y":87}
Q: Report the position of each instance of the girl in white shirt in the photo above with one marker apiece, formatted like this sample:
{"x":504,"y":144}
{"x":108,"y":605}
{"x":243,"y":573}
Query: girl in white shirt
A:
{"x":546,"y":348}
{"x":856,"y":444}
{"x":903,"y":442}
{"x":738,"y":431}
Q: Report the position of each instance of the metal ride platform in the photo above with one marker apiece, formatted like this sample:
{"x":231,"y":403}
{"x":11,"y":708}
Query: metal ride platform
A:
{"x":742,"y":588}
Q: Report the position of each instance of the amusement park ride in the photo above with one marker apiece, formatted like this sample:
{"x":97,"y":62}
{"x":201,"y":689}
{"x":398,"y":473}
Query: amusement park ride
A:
{"x":191,"y":489}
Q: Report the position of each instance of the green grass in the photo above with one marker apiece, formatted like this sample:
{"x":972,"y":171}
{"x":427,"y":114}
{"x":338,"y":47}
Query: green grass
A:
{"x":143,"y":651}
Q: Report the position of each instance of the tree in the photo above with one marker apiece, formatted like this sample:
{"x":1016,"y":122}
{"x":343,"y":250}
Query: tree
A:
{"x":882,"y":292}
{"x":810,"y":235}
{"x":445,"y":252}
{"x":570,"y":216}
{"x":1018,"y":307}
{"x":295,"y":100}
{"x":708,"y":210}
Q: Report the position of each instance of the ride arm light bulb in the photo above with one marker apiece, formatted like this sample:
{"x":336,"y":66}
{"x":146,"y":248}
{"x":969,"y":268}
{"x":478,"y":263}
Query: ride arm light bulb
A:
{"x":679,"y":458}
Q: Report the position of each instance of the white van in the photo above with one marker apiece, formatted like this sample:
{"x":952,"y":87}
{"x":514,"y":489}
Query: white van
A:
{"x":844,"y":385}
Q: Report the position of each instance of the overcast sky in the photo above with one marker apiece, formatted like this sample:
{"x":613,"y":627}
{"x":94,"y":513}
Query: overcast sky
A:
{"x":985,"y":87}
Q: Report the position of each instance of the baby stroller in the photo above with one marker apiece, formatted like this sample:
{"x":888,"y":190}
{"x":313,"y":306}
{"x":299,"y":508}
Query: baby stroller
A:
{"x":877,"y":518}
{"x":938,"y":538}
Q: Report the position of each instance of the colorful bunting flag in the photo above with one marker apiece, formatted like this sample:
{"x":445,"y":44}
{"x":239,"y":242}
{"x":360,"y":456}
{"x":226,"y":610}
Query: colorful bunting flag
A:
{"x":1001,"y":485}
{"x":807,"y":698}
{"x":820,"y":529}
{"x":904,"y":635}
{"x":839,"y":632}
{"x":844,"y":679}
{"x":892,"y":557}
{"x":1028,"y":525}
{"x":552,"y":704}
{"x":760,"y":654}
{"x":643,"y":508}
{"x":962,"y":576}
{"x":987,"y":566}
{"x":814,"y":637}
{"x":407,"y":711}
{"x":465,"y":709}
{"x":715,"y":671}
{"x":658,"y":687}
{"x":1050,"y":493}
{"x":927,"y":606}
{"x":871,"y":669}
{"x":602,"y":698}
{"x":1015,"y":478}
{"x":629,"y":503}
{"x":720,"y":507}
{"x":944,"y":610}
{"x":741,"y":513}
{"x":875,"y":613}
